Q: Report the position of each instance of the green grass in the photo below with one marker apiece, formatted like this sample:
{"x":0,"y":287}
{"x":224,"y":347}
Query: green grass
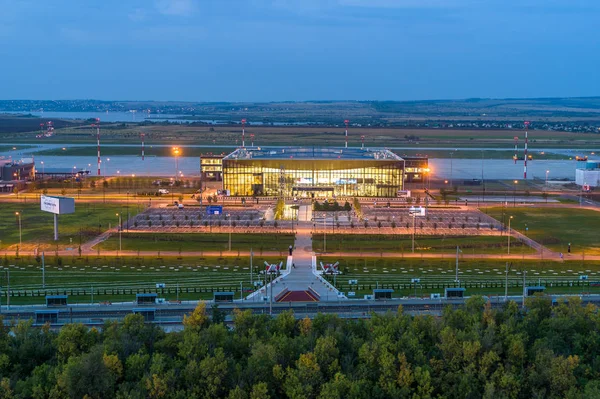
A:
{"x":474,"y":273}
{"x":423,"y":244}
{"x":198,"y":242}
{"x":110,"y":273}
{"x":556,"y":227}
{"x":89,"y":220}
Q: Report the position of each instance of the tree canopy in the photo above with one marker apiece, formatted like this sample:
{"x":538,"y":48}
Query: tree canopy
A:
{"x":471,"y":352}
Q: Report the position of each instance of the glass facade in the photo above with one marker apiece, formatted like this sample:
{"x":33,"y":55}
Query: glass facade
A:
{"x":318,"y":178}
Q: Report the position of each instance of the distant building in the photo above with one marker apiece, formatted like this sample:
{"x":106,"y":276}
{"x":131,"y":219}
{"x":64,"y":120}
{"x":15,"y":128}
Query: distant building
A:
{"x":211,"y":167}
{"x":17,"y":170}
{"x":313,"y":172}
{"x":588,"y":176}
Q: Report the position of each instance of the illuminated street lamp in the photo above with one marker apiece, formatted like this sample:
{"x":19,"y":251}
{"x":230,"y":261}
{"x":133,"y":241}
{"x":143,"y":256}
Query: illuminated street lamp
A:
{"x":515,"y":192}
{"x":119,"y":228}
{"x":176,"y":153}
{"x":20,"y":230}
{"x":547,"y":179}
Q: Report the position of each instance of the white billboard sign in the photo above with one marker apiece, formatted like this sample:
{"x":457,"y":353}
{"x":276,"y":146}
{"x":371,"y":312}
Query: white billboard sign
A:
{"x":57,"y":205}
{"x":416,"y":211}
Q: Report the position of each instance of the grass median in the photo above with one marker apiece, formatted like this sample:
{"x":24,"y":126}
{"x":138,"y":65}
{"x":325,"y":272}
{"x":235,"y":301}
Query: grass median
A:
{"x":114,"y":278}
{"x":555,"y":227}
{"x":196,"y":242}
{"x":374,"y":243}
{"x":478,"y":275}
{"x":37,"y":227}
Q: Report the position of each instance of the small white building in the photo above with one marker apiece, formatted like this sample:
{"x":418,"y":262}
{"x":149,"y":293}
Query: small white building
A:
{"x":590,"y":175}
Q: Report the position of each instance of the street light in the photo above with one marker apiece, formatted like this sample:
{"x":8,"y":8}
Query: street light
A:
{"x":20,"y":230}
{"x":176,"y":153}
{"x":43,"y":169}
{"x":547,"y":179}
{"x":229,"y":217}
{"x":119,"y":228}
{"x":514,"y":193}
{"x":509,"y":219}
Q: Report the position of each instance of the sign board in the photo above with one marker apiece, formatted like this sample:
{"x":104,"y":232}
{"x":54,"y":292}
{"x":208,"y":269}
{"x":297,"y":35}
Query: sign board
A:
{"x":403,"y":193}
{"x":225,"y":193}
{"x":416,"y":211}
{"x":352,"y":282}
{"x":57,"y":205}
{"x":160,"y":285}
{"x":214,"y":210}
{"x":351,"y":293}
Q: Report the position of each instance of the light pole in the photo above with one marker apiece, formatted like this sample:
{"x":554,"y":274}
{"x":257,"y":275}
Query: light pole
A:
{"x":546,"y":185}
{"x":451,"y":176}
{"x":119,"y":228}
{"x":515,"y":193}
{"x":509,"y":219}
{"x":43,"y":169}
{"x":229,"y":217}
{"x":456,"y":271}
{"x":119,"y":181}
{"x":324,"y":232}
{"x":20,"y":230}
{"x":413,"y":232}
{"x":176,"y":153}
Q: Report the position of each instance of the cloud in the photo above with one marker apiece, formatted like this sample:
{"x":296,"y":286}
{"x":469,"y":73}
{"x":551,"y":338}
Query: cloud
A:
{"x":182,"y":8}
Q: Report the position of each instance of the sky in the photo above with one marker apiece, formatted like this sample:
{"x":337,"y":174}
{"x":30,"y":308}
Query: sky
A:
{"x":275,"y":50}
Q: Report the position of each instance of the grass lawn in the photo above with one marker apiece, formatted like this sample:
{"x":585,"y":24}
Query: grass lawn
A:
{"x":74,"y":275}
{"x":423,"y":244}
{"x":556,"y":227}
{"x":485,"y":276}
{"x":199,"y":242}
{"x":37,"y":227}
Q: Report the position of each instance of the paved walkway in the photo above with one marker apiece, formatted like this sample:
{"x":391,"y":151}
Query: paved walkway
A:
{"x":301,"y":276}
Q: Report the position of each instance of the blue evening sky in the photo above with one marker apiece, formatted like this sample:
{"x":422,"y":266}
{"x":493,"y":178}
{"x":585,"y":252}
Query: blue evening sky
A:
{"x":271,"y":50}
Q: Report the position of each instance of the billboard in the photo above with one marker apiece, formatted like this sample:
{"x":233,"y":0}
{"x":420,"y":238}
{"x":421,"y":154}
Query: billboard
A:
{"x":416,"y":211}
{"x":57,"y":205}
{"x":214,"y":210}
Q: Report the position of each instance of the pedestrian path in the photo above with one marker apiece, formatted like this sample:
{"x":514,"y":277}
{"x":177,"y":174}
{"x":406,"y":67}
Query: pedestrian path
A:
{"x":300,"y":282}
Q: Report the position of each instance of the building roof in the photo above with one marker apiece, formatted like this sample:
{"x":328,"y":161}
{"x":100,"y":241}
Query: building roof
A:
{"x":313,"y":153}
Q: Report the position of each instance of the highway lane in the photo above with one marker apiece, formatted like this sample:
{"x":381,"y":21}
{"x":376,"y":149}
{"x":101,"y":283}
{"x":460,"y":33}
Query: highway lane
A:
{"x":172,"y":314}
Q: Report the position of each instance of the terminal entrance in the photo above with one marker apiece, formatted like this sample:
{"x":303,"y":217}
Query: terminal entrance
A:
{"x":312,"y":192}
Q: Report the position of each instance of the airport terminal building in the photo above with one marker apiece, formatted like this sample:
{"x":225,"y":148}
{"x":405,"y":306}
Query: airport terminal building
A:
{"x":308,"y":172}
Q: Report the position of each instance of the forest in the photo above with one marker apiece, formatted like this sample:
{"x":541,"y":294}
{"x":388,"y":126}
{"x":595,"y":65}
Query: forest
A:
{"x":545,"y":351}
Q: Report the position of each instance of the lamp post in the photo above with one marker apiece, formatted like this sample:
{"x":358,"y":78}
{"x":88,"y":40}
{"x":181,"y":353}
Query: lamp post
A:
{"x":324,"y":232}
{"x":229,"y":217}
{"x":413,"y":232}
{"x":20,"y":229}
{"x":119,"y":228}
{"x":515,"y":193}
{"x":176,"y":153}
{"x":119,"y":181}
{"x":509,"y":219}
{"x":546,"y":185}
{"x":43,"y":169}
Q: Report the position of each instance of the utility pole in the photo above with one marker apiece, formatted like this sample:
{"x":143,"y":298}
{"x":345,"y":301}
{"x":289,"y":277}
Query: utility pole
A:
{"x":271,"y":295}
{"x":43,"y":272}
{"x":413,"y":234}
{"x":508,"y":234}
{"x":524,"y":283}
{"x":506,"y":284}
{"x":7,"y":289}
{"x":456,"y":270}
{"x":251,"y":269}
{"x":324,"y":232}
